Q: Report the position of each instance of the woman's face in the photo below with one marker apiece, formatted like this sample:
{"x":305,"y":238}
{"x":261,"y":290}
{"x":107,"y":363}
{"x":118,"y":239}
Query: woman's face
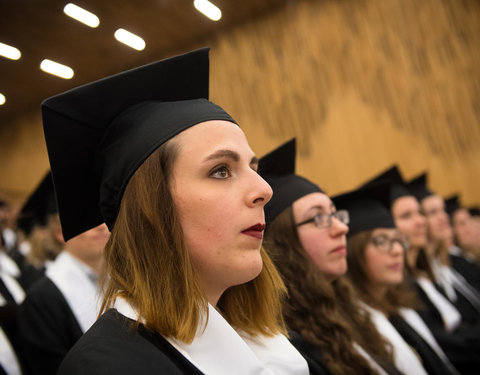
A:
{"x":464,"y":228}
{"x":326,"y":246}
{"x":410,"y":221}
{"x":384,"y":264}
{"x":438,"y":223}
{"x":220,"y":198}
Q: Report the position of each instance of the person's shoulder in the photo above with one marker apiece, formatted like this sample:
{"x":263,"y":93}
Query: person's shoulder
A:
{"x":43,"y":290}
{"x":115,"y":344}
{"x":310,"y":352}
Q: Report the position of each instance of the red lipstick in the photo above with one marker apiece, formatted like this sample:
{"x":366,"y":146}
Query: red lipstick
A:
{"x":255,"y":231}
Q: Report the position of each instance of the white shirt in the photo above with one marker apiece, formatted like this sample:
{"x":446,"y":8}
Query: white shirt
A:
{"x":74,"y":280}
{"x":404,"y":357}
{"x":220,"y":350}
{"x":450,"y":315}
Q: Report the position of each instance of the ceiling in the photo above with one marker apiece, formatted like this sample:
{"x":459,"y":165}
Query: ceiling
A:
{"x":40,"y":29}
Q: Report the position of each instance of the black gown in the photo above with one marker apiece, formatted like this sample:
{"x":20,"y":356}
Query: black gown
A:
{"x":462,"y":345}
{"x":47,"y":328}
{"x":430,"y":360}
{"x":114,"y":345}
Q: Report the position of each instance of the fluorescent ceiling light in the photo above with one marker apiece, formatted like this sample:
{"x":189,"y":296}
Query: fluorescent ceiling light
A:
{"x":81,"y":15}
{"x":9,"y":52}
{"x":2,"y":99}
{"x":56,"y":69}
{"x":130,"y":39}
{"x":208,"y":9}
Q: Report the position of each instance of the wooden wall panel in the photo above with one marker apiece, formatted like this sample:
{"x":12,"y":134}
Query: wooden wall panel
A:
{"x":362,"y":84}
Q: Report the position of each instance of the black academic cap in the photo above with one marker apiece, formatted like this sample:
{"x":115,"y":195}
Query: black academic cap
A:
{"x":98,"y":134}
{"x":474,"y":211}
{"x":452,"y":204}
{"x":368,"y":207}
{"x":392,"y":176}
{"x":418,"y":187}
{"x":278,"y":169}
{"x":39,"y":206}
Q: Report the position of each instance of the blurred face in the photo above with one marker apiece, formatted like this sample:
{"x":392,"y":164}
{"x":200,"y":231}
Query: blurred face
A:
{"x":465,"y":229}
{"x":89,"y":246}
{"x":384,"y":258}
{"x":219,"y":197}
{"x":438,"y":224}
{"x":326,"y":246}
{"x":410,"y":221}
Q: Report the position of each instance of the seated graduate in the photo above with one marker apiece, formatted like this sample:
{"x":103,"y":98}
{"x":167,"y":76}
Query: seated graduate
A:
{"x":376,"y":252}
{"x":189,"y":289}
{"x":64,"y":303}
{"x":11,"y":294}
{"x":456,"y":336}
{"x":306,"y":238}
{"x":38,"y":226}
{"x":466,"y":230}
{"x":459,"y":277}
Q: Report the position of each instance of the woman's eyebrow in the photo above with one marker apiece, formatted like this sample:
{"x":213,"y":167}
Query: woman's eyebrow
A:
{"x":223,"y":154}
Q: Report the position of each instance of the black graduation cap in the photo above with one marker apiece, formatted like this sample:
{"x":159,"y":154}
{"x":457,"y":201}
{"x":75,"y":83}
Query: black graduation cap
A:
{"x":418,"y":187}
{"x":278,"y":169}
{"x":452,"y":204}
{"x":474,"y":211}
{"x":39,"y":206}
{"x":392,"y":176}
{"x":98,"y":134}
{"x":368,"y":207}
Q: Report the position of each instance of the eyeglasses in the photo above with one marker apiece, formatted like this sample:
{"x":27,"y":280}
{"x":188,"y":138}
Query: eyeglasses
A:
{"x":384,"y":244}
{"x":325,"y":220}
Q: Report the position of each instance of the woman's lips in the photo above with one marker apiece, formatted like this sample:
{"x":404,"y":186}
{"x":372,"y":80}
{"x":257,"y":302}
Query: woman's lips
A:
{"x":342,"y":249}
{"x":255,"y":231}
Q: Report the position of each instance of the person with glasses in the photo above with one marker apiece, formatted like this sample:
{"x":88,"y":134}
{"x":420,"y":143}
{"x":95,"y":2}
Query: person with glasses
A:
{"x":376,"y":254}
{"x":306,"y":238}
{"x":189,"y":288}
{"x":458,"y":339}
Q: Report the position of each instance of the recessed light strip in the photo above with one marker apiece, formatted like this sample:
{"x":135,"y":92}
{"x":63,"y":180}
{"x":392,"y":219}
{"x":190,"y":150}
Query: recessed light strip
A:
{"x":56,"y":69}
{"x":9,"y":52}
{"x":130,"y":39}
{"x":208,"y":9}
{"x":81,"y":15}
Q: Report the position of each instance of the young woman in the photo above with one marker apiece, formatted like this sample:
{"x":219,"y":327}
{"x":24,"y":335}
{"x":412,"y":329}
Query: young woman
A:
{"x":306,"y":237}
{"x":190,"y":289}
{"x":376,"y":253}
{"x":458,"y":339}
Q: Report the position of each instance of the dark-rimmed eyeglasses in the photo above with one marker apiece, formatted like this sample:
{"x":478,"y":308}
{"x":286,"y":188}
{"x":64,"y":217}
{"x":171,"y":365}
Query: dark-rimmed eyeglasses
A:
{"x":322,"y":220}
{"x":384,"y":244}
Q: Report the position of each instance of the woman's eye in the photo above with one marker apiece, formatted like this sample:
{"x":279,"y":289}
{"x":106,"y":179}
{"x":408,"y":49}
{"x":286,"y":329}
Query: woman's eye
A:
{"x":220,"y":173}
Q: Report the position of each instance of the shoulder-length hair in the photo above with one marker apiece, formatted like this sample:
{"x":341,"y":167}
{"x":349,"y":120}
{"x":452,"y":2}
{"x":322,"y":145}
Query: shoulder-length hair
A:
{"x":313,"y":309}
{"x":150,"y":267}
{"x":401,"y":295}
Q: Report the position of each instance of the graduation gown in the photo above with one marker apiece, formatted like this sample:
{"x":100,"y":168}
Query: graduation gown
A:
{"x":125,"y":347}
{"x":113,"y":345}
{"x":11,"y":295}
{"x":47,"y":328}
{"x":459,"y":341}
{"x":431,"y":361}
{"x":468,"y":269}
{"x":58,"y":309}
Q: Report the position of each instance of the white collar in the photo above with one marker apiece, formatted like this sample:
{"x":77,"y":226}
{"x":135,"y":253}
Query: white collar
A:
{"x":74,"y":280}
{"x":450,"y":315}
{"x":404,"y":357}
{"x":219,"y":349}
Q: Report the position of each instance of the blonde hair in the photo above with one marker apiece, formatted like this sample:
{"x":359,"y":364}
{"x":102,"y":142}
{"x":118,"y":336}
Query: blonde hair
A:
{"x":148,"y":264}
